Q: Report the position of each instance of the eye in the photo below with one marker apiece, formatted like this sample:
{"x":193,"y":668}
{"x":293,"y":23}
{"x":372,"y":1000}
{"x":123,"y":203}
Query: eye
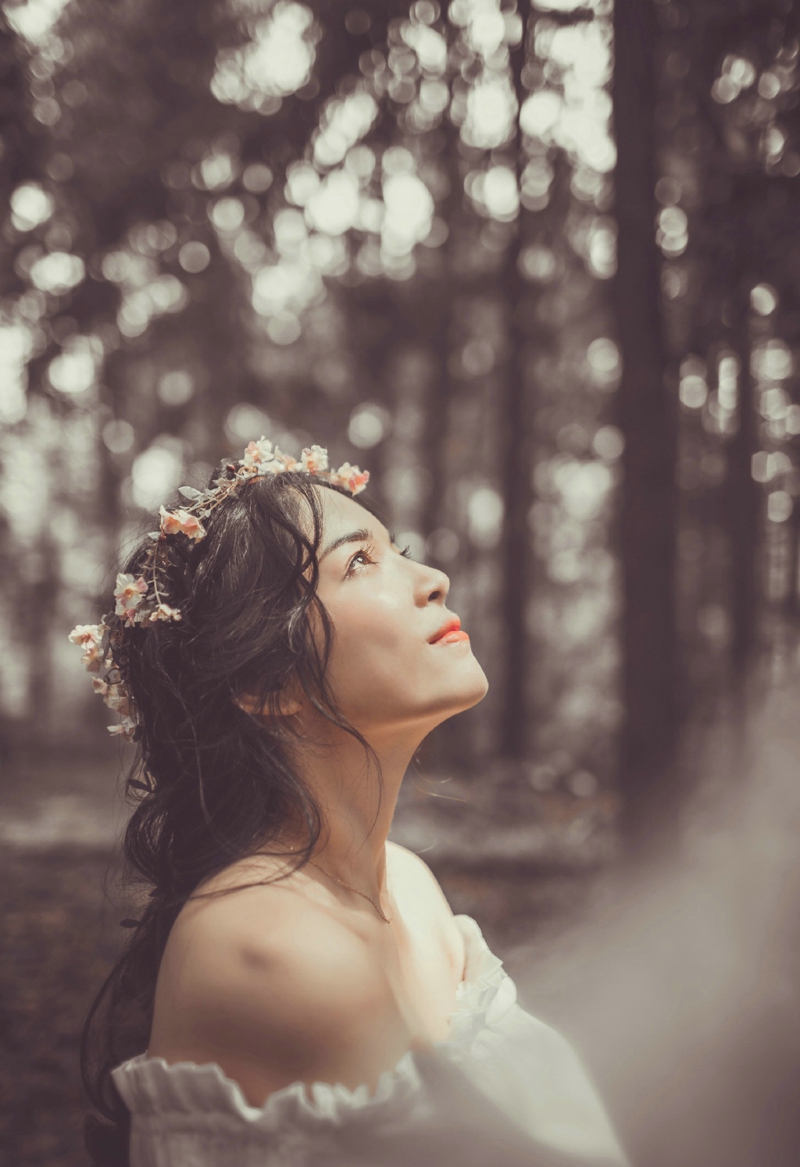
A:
{"x":363,"y":554}
{"x":406,"y":551}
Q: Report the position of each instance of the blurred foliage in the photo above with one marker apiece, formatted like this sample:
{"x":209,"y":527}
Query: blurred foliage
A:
{"x":391,"y":228}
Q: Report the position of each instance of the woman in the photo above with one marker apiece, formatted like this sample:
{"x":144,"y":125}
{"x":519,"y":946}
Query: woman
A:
{"x":297,"y":989}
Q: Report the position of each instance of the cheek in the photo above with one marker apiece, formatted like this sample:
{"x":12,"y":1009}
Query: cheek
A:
{"x":370,"y":628}
{"x":375,"y":650}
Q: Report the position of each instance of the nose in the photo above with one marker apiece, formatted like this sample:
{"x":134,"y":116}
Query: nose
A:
{"x":435,"y":585}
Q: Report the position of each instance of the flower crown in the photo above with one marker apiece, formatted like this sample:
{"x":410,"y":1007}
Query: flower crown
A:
{"x":143,"y":600}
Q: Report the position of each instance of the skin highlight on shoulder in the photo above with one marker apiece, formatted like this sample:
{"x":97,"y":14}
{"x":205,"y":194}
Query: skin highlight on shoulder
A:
{"x":422,"y":886}
{"x":301,"y":999}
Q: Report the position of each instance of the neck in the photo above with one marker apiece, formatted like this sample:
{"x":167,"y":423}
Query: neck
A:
{"x":357,"y":812}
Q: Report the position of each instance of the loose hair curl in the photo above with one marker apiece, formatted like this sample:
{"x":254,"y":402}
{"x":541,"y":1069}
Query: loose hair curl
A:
{"x":211,"y":783}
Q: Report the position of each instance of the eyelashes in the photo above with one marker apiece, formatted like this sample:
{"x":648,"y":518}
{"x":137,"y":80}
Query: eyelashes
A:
{"x":365,"y":553}
{"x":368,"y":553}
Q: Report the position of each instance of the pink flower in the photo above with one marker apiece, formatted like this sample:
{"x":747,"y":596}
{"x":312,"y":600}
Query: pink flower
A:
{"x":129,"y":594}
{"x":275,"y":463}
{"x":163,"y":612}
{"x":285,"y":461}
{"x":352,"y":478}
{"x":173,"y":522}
{"x":314,"y":459}
{"x":258,"y":452}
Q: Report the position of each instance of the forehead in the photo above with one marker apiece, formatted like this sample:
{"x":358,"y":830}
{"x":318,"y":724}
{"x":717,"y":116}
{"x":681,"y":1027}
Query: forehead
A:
{"x":341,"y":515}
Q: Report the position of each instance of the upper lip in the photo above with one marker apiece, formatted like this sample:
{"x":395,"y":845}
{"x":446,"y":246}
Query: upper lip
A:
{"x":452,"y":625}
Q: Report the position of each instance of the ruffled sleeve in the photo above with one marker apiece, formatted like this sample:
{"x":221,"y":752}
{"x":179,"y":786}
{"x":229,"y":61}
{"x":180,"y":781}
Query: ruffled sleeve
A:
{"x":528,"y":1069}
{"x":189,"y":1115}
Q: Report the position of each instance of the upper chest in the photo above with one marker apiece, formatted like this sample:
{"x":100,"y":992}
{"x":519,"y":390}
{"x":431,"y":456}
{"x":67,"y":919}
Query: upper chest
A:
{"x":420,"y":956}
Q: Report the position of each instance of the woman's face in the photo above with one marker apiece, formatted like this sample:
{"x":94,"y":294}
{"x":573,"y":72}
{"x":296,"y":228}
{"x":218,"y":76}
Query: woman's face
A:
{"x":385,"y":608}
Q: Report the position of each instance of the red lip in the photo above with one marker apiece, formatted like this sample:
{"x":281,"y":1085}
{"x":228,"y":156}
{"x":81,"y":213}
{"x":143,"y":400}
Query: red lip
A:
{"x":452,"y":625}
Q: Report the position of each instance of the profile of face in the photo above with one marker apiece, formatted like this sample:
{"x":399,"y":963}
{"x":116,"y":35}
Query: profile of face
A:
{"x":384,"y":672}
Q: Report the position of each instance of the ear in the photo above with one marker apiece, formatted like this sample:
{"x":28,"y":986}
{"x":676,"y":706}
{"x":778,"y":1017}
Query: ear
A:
{"x":288,"y":705}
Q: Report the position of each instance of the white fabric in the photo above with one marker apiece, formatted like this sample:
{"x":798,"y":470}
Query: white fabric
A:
{"x":188,"y":1115}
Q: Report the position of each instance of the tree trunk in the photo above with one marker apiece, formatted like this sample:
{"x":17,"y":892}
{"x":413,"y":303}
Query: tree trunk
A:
{"x":516,"y":462}
{"x":743,"y":507}
{"x":647,"y":415}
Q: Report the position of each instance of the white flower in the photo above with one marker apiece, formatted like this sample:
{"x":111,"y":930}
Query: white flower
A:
{"x":83,"y":633}
{"x":89,"y":637}
{"x":92,"y":659}
{"x":124,"y":729}
{"x":314,"y":459}
{"x":116,"y":699}
{"x":258,"y":452}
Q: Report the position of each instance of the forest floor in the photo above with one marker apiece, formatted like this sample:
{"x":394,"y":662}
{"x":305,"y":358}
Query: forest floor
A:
{"x":679,"y":985}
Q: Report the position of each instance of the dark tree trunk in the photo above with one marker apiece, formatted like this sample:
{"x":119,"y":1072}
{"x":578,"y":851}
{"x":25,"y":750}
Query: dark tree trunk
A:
{"x":647,"y":416}
{"x":516,"y":462}
{"x":742,"y":511}
{"x":439,"y":317}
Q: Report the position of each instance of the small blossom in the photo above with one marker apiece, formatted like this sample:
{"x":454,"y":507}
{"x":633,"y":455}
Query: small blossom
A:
{"x":84,"y":633}
{"x":258,"y":452}
{"x":129,"y":594}
{"x":125,"y":729}
{"x":92,"y":659}
{"x":275,"y":463}
{"x":116,"y":699}
{"x":89,"y":637}
{"x":115,"y":696}
{"x":163,"y":612}
{"x":352,"y":478}
{"x":286,"y":461}
{"x":276,"y":466}
{"x":173,"y":522}
{"x":314,"y":459}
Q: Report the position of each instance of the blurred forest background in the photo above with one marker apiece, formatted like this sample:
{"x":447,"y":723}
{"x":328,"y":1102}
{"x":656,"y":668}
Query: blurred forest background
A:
{"x":534,"y":265}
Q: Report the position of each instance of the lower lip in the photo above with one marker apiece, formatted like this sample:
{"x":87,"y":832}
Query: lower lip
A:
{"x":452,"y":638}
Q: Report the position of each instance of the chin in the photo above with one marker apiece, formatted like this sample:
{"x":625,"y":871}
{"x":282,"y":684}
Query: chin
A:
{"x":479,"y":694}
{"x":471,"y":694}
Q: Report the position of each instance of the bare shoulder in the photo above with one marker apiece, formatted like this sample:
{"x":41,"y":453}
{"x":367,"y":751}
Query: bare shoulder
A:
{"x":417,"y":876}
{"x":245,"y":923}
{"x":275,"y":989}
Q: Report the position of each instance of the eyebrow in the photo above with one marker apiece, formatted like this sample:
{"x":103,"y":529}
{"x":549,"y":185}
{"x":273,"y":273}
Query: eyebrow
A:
{"x":351,"y":537}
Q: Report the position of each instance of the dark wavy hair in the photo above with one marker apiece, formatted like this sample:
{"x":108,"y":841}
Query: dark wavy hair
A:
{"x":211,"y":783}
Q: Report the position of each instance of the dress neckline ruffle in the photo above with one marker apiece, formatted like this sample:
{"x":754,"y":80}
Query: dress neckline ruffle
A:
{"x":151,"y":1086}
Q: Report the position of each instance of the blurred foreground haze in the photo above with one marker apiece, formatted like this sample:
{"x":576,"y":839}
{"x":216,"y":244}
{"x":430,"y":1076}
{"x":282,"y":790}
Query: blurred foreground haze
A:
{"x":534,"y":265}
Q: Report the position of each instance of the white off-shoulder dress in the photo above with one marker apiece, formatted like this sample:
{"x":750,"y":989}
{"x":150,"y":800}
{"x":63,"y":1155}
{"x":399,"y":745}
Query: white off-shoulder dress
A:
{"x":503,"y":1083}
